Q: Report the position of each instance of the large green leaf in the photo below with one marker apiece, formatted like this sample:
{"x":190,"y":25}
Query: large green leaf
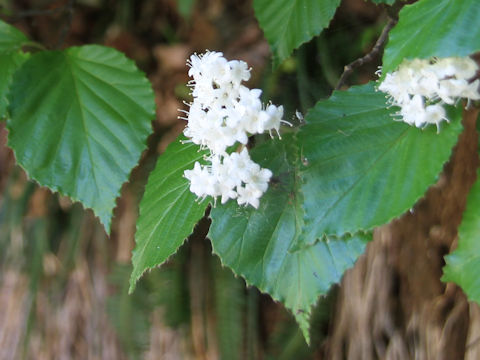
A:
{"x":10,"y":61}
{"x":463,"y":265}
{"x":289,"y":23}
{"x":168,"y":210}
{"x":10,"y":37}
{"x":429,"y":28}
{"x":79,"y":121}
{"x":259,"y":244}
{"x":364,"y":168}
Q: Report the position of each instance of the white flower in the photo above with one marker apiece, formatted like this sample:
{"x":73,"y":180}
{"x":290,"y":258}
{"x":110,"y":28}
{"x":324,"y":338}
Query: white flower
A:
{"x":204,"y":66}
{"x":239,"y":71}
{"x":202,"y":183}
{"x":222,"y":114}
{"x":260,"y":179}
{"x":434,"y":114}
{"x":426,"y":85}
{"x":420,"y":87}
{"x":274,"y":120}
{"x":233,"y":176}
{"x":396,"y":87}
{"x":413,"y":111}
{"x":472,"y":91}
{"x":225,"y":182}
{"x":231,"y":109}
{"x":461,"y":68}
{"x":242,"y":164}
{"x":249,"y":194}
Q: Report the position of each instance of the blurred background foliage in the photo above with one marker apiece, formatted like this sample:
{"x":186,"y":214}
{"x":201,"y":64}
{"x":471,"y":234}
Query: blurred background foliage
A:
{"x":64,"y":283}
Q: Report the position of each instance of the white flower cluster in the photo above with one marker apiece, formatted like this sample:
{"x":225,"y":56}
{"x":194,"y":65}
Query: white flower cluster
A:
{"x":421,"y":87}
{"x":223,"y":113}
{"x":233,"y":176}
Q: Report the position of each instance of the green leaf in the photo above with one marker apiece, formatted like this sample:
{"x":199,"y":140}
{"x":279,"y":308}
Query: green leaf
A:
{"x":168,"y":210}
{"x":429,"y":28}
{"x":79,"y":122}
{"x":289,"y":23}
{"x":257,"y":244}
{"x":364,"y":168}
{"x":11,"y":38}
{"x":9,"y":63}
{"x":463,"y":265}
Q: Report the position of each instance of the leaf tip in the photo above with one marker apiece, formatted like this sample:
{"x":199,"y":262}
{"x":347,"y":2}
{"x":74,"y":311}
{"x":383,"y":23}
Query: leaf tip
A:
{"x":303,"y":320}
{"x":133,"y":283}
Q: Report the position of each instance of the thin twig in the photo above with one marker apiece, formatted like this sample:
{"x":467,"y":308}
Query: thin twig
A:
{"x":368,"y":57}
{"x":67,"y":24}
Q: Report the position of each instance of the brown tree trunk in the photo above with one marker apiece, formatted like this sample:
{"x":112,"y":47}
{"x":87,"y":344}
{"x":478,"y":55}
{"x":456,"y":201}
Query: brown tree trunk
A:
{"x":392,"y":304}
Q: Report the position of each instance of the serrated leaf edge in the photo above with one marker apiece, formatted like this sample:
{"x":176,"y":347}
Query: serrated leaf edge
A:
{"x":144,"y":142}
{"x":134,"y":280}
{"x":277,"y":60}
{"x":306,"y":313}
{"x":308,"y":219}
